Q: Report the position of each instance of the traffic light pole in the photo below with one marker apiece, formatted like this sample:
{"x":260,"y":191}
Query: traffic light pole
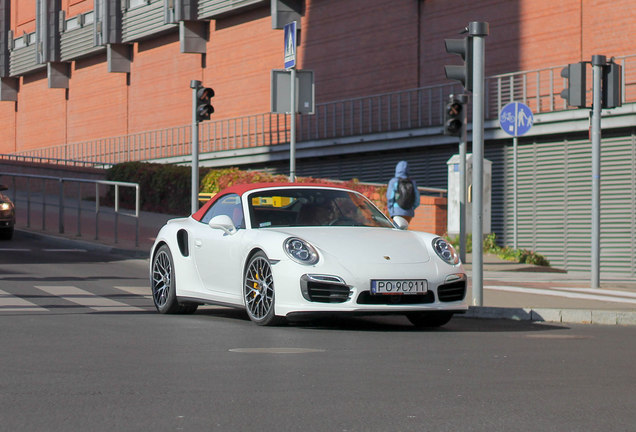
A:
{"x":598,"y":62}
{"x":463,"y":143}
{"x":606,"y":93}
{"x":478,"y":31}
{"x":194,"y":199}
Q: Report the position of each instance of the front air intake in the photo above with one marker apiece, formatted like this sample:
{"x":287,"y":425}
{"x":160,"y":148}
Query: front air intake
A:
{"x":324,"y":289}
{"x":452,"y":291}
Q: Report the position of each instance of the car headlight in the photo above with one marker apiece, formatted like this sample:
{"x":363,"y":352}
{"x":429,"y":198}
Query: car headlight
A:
{"x":445,"y":251}
{"x":300,"y":251}
{"x":5,"y":206}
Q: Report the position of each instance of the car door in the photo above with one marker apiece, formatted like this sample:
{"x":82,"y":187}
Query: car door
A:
{"x":217,"y":254}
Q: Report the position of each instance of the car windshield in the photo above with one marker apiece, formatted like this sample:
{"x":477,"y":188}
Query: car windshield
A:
{"x":313,"y":207}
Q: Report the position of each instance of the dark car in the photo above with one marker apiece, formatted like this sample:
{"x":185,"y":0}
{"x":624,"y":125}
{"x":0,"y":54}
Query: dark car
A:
{"x":7,"y":215}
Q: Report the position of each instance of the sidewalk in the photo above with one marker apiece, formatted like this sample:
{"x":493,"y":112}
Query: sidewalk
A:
{"x":510,"y":290}
{"x":528,"y":292}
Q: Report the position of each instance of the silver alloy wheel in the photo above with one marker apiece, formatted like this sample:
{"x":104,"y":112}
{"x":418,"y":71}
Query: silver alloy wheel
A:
{"x":161,"y":277}
{"x":259,"y":289}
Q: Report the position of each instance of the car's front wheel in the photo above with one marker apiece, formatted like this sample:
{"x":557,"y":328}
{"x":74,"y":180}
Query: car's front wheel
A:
{"x":258,"y":291}
{"x":163,"y":285}
{"x":429,"y":319}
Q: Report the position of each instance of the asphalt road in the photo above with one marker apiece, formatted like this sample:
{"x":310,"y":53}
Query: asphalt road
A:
{"x":83,"y":349}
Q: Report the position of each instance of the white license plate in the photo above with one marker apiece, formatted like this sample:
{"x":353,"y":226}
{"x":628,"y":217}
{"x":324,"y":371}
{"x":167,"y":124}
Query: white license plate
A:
{"x":399,"y":286}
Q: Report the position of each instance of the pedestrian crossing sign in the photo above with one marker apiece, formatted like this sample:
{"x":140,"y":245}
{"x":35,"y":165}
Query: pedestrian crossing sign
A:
{"x":290,"y":45}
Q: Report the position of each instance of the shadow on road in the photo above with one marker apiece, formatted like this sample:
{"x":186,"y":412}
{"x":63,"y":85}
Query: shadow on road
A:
{"x":387,"y":323}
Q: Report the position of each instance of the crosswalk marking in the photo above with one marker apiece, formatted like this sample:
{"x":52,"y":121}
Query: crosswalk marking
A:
{"x":87,"y":299}
{"x":139,"y":291}
{"x":11,"y":303}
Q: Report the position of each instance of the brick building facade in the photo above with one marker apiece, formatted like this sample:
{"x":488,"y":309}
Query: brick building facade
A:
{"x":355,"y":49}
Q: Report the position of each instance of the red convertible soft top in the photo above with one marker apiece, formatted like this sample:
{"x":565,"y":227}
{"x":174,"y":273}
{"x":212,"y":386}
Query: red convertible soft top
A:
{"x":240,"y":189}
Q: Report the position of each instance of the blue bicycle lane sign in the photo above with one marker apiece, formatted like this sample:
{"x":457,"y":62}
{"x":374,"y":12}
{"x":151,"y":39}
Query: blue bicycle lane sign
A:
{"x":516,"y":119}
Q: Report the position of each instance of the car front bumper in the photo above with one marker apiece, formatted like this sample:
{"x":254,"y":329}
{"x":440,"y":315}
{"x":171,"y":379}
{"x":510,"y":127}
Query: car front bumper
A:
{"x":299,"y":291}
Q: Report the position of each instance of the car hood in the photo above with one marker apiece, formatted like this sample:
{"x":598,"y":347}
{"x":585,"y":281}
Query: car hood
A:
{"x":370,"y":245}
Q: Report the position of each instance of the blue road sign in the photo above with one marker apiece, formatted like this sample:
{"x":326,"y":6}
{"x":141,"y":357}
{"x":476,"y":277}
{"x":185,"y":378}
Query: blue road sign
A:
{"x":516,"y":119}
{"x":290,"y":45}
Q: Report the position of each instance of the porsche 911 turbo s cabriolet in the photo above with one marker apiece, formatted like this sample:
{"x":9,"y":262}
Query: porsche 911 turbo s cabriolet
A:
{"x":282,"y":249}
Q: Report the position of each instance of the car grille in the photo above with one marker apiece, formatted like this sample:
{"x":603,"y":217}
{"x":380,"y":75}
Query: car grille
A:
{"x":324,"y":289}
{"x":453,"y":291}
{"x":367,"y":298}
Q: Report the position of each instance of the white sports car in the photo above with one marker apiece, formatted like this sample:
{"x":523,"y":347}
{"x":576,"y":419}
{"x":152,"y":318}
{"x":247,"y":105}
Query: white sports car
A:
{"x":281,"y":249}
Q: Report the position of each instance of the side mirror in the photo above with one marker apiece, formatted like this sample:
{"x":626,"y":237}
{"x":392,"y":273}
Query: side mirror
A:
{"x":224,"y":223}
{"x":400,"y":222}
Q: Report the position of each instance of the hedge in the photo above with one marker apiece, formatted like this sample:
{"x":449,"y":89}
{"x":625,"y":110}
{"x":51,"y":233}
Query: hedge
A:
{"x":166,"y":188}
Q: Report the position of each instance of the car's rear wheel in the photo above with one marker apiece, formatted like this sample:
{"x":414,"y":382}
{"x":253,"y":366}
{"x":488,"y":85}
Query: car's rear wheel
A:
{"x":429,"y":319}
{"x":258,"y":291}
{"x":163,"y":285}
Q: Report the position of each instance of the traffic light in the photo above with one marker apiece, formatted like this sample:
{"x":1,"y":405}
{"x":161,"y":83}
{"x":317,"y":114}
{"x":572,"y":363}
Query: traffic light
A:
{"x":611,"y":95}
{"x":453,"y":119}
{"x":463,"y":73}
{"x":204,"y":108}
{"x":574,"y":93}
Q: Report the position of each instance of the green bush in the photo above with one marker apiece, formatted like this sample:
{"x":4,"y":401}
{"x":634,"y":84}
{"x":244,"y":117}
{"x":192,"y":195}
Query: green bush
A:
{"x":163,"y":188}
{"x":217,"y":180}
{"x":166,"y":188}
{"x":523,"y":256}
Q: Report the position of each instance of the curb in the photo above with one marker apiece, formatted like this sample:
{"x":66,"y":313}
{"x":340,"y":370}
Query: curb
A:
{"x":565,"y":316}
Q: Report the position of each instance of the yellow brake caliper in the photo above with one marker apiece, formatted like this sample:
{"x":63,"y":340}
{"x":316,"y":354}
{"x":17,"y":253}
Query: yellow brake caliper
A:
{"x":255,"y":285}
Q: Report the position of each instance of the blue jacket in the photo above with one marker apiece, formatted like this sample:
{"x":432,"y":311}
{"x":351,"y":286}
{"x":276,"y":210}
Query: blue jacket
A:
{"x":401,"y":171}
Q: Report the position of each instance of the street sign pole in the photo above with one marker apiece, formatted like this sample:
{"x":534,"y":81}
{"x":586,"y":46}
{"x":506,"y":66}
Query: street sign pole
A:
{"x":194,"y":198}
{"x":515,"y":143}
{"x":598,"y":61}
{"x":289,"y":54}
{"x":292,"y":128}
{"x":515,"y":119}
{"x":478,"y":31}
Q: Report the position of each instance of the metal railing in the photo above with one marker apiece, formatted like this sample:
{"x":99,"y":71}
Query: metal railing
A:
{"x":401,"y":110}
{"x":54,"y":188}
{"x":53,"y":161}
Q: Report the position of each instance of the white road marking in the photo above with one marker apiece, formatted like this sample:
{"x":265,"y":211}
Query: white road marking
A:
{"x":140,"y":291}
{"x":11,"y":303}
{"x":600,"y":291}
{"x":555,"y":293}
{"x":87,"y":299}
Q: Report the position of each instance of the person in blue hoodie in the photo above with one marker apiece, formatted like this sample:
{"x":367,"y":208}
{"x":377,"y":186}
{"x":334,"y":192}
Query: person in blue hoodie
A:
{"x":403,"y":185}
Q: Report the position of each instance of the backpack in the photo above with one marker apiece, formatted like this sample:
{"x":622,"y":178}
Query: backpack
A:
{"x":405,"y":193}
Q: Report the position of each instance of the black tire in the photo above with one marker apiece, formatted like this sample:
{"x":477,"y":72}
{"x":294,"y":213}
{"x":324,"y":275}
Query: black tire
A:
{"x":429,"y":319}
{"x":6,"y":233}
{"x":163,"y":285}
{"x":258,"y":291}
